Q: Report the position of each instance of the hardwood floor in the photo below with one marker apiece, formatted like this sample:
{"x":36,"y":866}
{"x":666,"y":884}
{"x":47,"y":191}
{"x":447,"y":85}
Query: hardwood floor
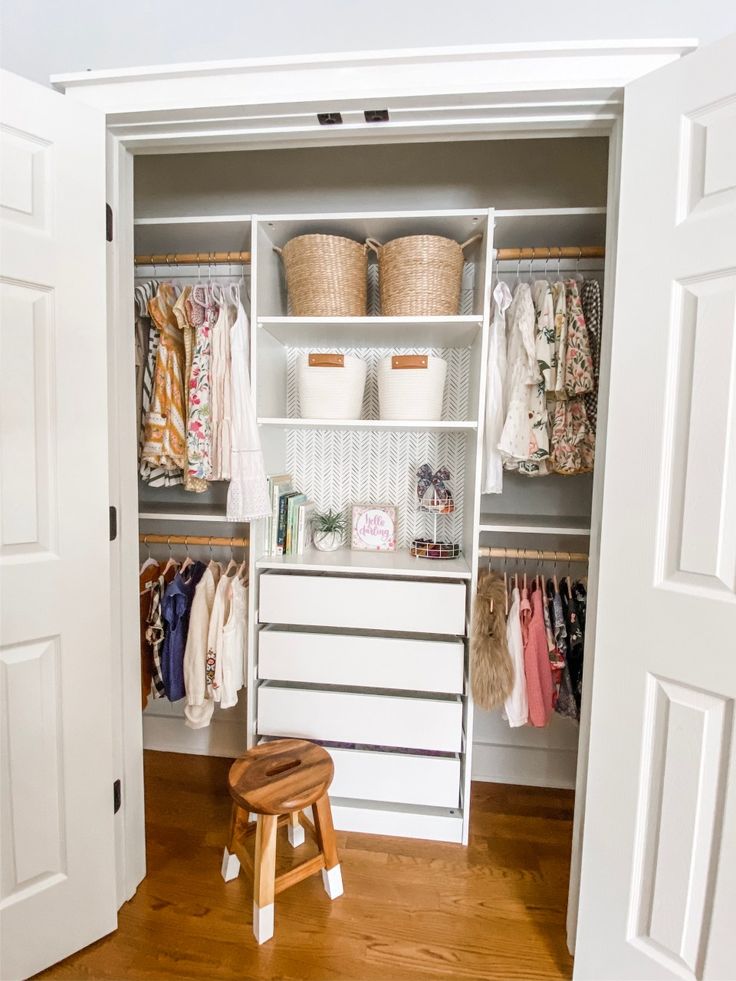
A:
{"x":411,"y":910}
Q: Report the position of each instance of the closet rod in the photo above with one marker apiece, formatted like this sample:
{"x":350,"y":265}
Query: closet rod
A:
{"x":192,"y":540}
{"x":190,"y":258}
{"x":553,"y":252}
{"x":535,"y":554}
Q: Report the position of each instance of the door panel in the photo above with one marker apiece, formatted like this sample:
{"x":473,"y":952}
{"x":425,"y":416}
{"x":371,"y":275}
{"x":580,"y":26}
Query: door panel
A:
{"x":658,"y":885}
{"x":57,"y":890}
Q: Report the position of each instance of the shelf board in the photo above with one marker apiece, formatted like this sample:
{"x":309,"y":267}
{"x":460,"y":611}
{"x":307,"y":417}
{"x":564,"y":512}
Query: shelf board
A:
{"x":171,"y":512}
{"x":399,"y":564}
{"x":385,"y":425}
{"x":535,"y":524}
{"x":192,"y":233}
{"x":374,"y":331}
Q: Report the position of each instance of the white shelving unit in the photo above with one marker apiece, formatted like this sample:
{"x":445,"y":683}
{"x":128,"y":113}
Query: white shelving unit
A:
{"x":369,"y":460}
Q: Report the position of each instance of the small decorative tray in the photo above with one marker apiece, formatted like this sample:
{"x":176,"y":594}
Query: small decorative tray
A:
{"x":423,"y":548}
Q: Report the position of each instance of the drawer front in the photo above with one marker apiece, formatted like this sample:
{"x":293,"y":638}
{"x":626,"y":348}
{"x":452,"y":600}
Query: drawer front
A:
{"x":360,"y":661}
{"x":363,"y":604}
{"x":357,"y":717}
{"x":398,"y":778}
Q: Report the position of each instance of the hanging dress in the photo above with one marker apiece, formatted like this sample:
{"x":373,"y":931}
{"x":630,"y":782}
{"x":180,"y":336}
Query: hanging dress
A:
{"x":220,"y":391}
{"x":573,"y":441}
{"x":494,"y":414}
{"x":517,"y":443}
{"x":590,"y":296}
{"x":247,"y":496}
{"x":176,"y":608}
{"x":181,"y":307}
{"x":537,"y":670}
{"x":544,"y":346}
{"x":164,"y":442}
{"x":201,"y":314}
{"x":155,"y":631}
{"x":560,"y":308}
{"x":148,"y":575}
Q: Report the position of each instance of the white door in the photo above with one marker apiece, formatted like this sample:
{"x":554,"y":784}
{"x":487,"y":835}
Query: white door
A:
{"x":56,"y":781}
{"x":658,"y":887}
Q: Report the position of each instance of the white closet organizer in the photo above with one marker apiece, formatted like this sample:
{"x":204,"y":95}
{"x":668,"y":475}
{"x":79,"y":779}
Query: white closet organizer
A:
{"x":367,"y":652}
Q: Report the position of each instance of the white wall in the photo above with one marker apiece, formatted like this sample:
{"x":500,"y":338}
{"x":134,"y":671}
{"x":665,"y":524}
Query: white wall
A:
{"x":41,"y":37}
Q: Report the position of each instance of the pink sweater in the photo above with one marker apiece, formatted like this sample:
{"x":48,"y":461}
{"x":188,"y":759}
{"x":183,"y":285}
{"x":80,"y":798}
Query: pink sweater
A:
{"x":537,"y":668}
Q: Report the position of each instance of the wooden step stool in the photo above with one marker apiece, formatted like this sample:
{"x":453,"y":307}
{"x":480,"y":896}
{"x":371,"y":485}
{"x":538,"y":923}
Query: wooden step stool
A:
{"x":276,"y":781}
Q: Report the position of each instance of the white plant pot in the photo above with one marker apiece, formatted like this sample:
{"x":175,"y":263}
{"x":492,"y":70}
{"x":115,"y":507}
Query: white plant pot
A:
{"x":327,"y":541}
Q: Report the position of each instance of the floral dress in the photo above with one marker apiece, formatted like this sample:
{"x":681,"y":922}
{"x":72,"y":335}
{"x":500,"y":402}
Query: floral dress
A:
{"x":164,"y":439}
{"x":544,"y":346}
{"x":191,"y":483}
{"x":200,"y":314}
{"x":573,"y":440}
{"x":590,"y":296}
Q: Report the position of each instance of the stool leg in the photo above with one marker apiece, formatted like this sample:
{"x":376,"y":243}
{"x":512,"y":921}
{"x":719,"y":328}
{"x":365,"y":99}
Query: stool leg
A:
{"x":295,"y":830}
{"x":331,"y":874}
{"x":265,"y":875}
{"x":230,"y":861}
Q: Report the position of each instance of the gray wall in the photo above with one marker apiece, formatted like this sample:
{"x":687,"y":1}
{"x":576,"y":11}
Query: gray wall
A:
{"x":42,"y":37}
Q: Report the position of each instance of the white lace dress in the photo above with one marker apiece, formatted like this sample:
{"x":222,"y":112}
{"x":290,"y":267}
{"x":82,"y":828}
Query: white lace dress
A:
{"x":247,"y":497}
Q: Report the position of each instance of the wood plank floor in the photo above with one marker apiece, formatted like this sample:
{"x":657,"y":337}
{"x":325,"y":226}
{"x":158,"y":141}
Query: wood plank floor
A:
{"x":412,"y":909}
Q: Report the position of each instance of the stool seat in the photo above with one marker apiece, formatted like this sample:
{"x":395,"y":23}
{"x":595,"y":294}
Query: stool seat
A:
{"x":281,"y":777}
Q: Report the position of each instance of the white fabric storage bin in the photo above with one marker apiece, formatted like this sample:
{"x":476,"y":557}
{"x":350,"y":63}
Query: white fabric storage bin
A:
{"x":411,"y":393}
{"x":331,"y":391}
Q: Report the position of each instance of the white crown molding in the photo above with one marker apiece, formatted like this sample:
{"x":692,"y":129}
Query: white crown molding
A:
{"x":482,"y":90}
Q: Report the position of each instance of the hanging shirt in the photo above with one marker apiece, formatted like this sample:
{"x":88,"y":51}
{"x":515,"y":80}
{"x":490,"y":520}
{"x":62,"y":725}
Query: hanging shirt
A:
{"x":199,"y":705}
{"x":516,"y":708}
{"x":494,"y":416}
{"x":149,"y":574}
{"x":247,"y":496}
{"x":155,"y":631}
{"x":544,"y":346}
{"x":233,"y":647}
{"x":517,"y":443}
{"x":176,"y":605}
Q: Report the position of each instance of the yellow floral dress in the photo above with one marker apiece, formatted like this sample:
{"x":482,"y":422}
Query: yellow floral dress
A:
{"x":164,"y":438}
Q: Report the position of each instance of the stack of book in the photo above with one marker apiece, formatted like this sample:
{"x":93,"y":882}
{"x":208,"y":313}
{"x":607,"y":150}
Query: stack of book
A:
{"x":289,"y":529}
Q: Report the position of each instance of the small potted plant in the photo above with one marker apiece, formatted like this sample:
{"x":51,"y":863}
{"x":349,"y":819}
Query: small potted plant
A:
{"x":328,"y":531}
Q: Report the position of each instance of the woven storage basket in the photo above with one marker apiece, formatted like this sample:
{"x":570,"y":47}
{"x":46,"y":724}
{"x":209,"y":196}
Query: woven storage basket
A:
{"x":331,"y":392}
{"x":326,"y":276}
{"x":420,"y":275}
{"x":411,"y":393}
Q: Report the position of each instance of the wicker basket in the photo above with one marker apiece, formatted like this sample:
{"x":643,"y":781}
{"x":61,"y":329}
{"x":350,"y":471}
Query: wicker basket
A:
{"x":406,"y":392}
{"x":420,"y":275}
{"x":331,"y":387}
{"x":326,"y":276}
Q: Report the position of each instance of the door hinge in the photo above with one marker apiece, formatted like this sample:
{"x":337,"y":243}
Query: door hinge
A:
{"x":108,"y":223}
{"x":113,"y":523}
{"x":117,"y":796}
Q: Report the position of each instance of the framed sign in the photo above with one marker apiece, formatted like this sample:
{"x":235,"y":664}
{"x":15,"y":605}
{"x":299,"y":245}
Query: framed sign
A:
{"x":374,"y":528}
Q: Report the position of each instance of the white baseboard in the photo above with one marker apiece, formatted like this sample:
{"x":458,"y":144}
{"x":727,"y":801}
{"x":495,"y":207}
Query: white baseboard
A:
{"x":168,"y":734}
{"x":529,"y":766}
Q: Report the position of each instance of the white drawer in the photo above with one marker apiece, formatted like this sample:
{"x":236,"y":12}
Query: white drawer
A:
{"x":363,"y":603}
{"x":360,"y":661}
{"x":400,"y":778}
{"x":361,"y":717}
